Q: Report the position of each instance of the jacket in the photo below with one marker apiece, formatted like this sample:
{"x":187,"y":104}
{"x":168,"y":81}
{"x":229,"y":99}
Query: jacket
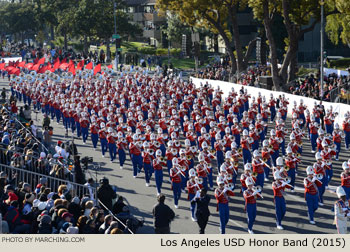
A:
{"x":163,"y":215}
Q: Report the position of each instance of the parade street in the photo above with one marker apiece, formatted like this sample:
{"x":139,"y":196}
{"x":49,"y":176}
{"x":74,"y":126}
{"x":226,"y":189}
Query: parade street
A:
{"x":142,"y":198}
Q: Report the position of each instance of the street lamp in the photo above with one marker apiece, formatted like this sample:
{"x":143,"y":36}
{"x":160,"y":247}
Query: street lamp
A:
{"x":322,"y":48}
{"x":115,"y":32}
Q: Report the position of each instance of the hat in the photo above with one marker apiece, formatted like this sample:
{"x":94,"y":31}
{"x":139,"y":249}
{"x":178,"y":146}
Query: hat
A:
{"x":42,"y":206}
{"x":44,"y":219}
{"x":29,"y":197}
{"x":12,"y":197}
{"x":25,"y":185}
{"x":65,"y":226}
{"x":2,"y":175}
{"x":72,"y":230}
{"x":9,"y":188}
{"x":76,"y":200}
{"x":340,"y":192}
{"x":43,"y":197}
{"x":59,"y":142}
{"x":66,"y":214}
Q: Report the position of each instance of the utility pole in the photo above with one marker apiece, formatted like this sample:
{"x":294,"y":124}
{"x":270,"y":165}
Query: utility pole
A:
{"x":115,"y":32}
{"x":322,"y":48}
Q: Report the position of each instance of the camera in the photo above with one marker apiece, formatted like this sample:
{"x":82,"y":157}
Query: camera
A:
{"x":86,"y":160}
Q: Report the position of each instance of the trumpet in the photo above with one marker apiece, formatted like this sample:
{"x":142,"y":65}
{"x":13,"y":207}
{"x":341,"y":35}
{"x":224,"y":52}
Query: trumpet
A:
{"x":177,"y":143}
{"x":257,"y":189}
{"x":157,"y":144}
{"x":189,"y":157}
{"x":230,"y":186}
{"x":162,"y":159}
{"x":319,"y":176}
{"x":174,"y":151}
{"x":198,"y":180}
{"x":240,"y":150}
{"x":236,"y":164}
{"x":265,"y":160}
{"x":213,"y":152}
{"x":254,"y":174}
{"x":287,"y":180}
{"x":271,"y":146}
{"x":286,"y":168}
{"x":151,"y":152}
{"x":228,"y":177}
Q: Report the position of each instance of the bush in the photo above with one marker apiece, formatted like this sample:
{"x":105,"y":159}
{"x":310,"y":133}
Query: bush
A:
{"x":340,"y":63}
{"x":162,"y":51}
{"x":147,"y":50}
{"x":175,"y":52}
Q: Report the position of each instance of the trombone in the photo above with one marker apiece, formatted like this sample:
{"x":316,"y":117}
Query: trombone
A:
{"x":258,"y":190}
{"x":319,"y":176}
{"x":189,"y":157}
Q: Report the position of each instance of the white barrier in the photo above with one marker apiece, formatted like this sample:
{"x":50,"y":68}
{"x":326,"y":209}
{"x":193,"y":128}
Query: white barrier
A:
{"x":13,"y":59}
{"x":328,"y":71}
{"x":226,"y":87}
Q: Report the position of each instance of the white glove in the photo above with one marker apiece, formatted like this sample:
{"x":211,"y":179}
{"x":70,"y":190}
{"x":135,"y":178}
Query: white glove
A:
{"x":198,"y":193}
{"x":348,"y":215}
{"x":345,"y":209}
{"x":255,"y":193}
{"x":314,"y":179}
{"x":225,"y":190}
{"x":284,"y":183}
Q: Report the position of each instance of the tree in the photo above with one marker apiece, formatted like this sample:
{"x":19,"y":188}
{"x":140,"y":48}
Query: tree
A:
{"x":299,"y":17}
{"x":175,"y":28}
{"x":219,"y":16}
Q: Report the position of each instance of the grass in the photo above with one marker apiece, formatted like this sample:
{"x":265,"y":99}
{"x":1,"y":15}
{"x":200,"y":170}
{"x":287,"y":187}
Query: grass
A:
{"x":126,"y":47}
{"x":305,"y":71}
{"x":181,"y":63}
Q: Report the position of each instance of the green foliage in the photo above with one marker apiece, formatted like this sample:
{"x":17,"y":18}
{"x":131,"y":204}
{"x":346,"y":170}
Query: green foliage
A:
{"x":147,"y":50}
{"x":162,"y":51}
{"x":340,"y":63}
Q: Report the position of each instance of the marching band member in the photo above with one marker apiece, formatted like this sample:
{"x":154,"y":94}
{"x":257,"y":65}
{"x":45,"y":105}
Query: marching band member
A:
{"x":272,"y":106}
{"x":254,"y":134}
{"x":337,"y":136}
{"x":266,"y":156}
{"x":219,"y":148}
{"x":346,"y":129}
{"x":328,"y":121}
{"x":136,"y":158}
{"x":246,"y":144}
{"x":278,"y":187}
{"x":281,"y":132}
{"x":345,"y":179}
{"x":111,"y":144}
{"x":311,"y":193}
{"x":245,"y":175}
{"x":327,"y":155}
{"x":250,"y":195}
{"x":175,"y":175}
{"x":103,"y":140}
{"x":222,"y":194}
{"x":185,"y":163}
{"x":341,"y":212}
{"x":193,"y":186}
{"x":313,"y":133}
{"x":203,"y":170}
{"x":291,"y":163}
{"x":84,"y":126}
{"x":319,"y":140}
{"x":147,"y":158}
{"x":94,"y":132}
{"x":321,"y":175}
{"x":158,"y":164}
{"x":208,"y":158}
{"x":122,"y":146}
{"x":275,"y":142}
{"x":258,"y":168}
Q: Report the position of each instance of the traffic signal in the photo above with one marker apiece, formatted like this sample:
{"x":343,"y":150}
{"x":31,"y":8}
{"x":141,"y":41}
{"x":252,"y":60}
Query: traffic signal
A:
{"x":118,"y":43}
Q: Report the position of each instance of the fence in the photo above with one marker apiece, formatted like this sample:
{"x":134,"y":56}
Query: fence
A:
{"x":33,"y":178}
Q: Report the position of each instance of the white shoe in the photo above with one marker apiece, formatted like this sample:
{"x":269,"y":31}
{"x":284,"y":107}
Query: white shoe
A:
{"x":176,"y":206}
{"x":291,"y":190}
{"x":211,"y":188}
{"x":250,"y":231}
{"x":312,"y":222}
{"x":111,"y":162}
{"x":280,"y":227}
{"x":337,"y":159}
{"x":94,"y":149}
{"x":84,"y":143}
{"x":193,"y":219}
{"x":134,"y":176}
{"x":183,"y":191}
{"x":320,"y":204}
{"x":266,"y":179}
{"x":327,"y":187}
{"x":103,"y":156}
{"x":121,"y":167}
{"x":147,"y":184}
{"x":313,"y":151}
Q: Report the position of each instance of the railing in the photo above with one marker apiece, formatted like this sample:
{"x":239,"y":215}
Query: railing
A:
{"x":33,"y":178}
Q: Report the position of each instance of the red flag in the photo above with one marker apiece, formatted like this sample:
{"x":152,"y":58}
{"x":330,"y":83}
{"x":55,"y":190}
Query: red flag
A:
{"x":64,"y":61}
{"x":56,"y":65}
{"x":43,"y":69}
{"x":36,"y":67}
{"x":36,"y":60}
{"x":80,"y":65}
{"x":49,"y":66}
{"x":89,"y":66}
{"x":16,"y":71}
{"x":21,"y":64}
{"x":97,"y":69}
{"x":110,"y":66}
{"x":2,"y":66}
{"x":41,"y":61}
{"x":57,"y":59}
{"x":29,"y":66}
{"x":72,"y":69}
{"x":64,"y":66}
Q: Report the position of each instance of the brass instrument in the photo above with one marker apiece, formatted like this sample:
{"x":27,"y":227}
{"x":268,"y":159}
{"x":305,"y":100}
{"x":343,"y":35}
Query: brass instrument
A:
{"x":177,"y":143}
{"x":183,"y":168}
{"x":174,"y":151}
{"x":151,"y":152}
{"x":189,"y":157}
{"x":162,"y":159}
{"x":198,"y":180}
{"x":240,"y":150}
{"x":319,"y":176}
{"x":230,"y":186}
{"x":271,"y":146}
{"x":254,"y":174}
{"x":157,"y":144}
{"x":287,"y":180}
{"x":298,"y":155}
{"x":257,"y":189}
{"x":213,"y":152}
{"x":265,"y":160}
{"x":286,"y":168}
{"x":229,"y":176}
{"x":236,"y":164}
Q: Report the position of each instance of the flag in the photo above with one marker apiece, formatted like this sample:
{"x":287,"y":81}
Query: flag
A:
{"x":21,"y":64}
{"x":43,"y":69}
{"x":57,"y":59}
{"x":72,"y":69}
{"x":29,"y":66}
{"x":110,"y":66}
{"x":97,"y":69}
{"x":64,"y":60}
{"x":16,"y":71}
{"x":36,"y":67}
{"x":49,"y":66}
{"x":35,"y":60}
{"x":89,"y":66}
{"x":41,"y":61}
{"x":80,"y":65}
{"x":64,"y":66}
{"x":56,"y":65}
{"x":2,"y":66}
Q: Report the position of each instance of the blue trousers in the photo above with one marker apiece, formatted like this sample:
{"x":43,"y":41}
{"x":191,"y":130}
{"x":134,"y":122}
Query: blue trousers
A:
{"x":122,"y":156}
{"x":66,"y":122}
{"x":238,"y":139}
{"x":267,"y":169}
{"x":280,"y":206}
{"x":312,"y":204}
{"x":136,"y":163}
{"x":329,"y":175}
{"x":219,"y":158}
{"x":112,"y":151}
{"x":72,"y":124}
{"x":274,"y":156}
{"x":251,"y":214}
{"x":224,"y":213}
{"x":329,"y":128}
{"x":291,"y":174}
{"x":210,"y":178}
{"x":255,"y":145}
{"x":176,"y":192}
{"x":184,"y":180}
{"x":273,"y":112}
{"x":347,"y":191}
{"x":85,"y":133}
{"x":193,"y":204}
{"x":148,"y":171}
{"x":347,"y":138}
{"x":322,"y":188}
{"x":78,"y":129}
{"x":247,"y":156}
{"x":283,"y":147}
{"x":262,"y":136}
{"x":103,"y":145}
{"x":158,"y":174}
{"x":94,"y":139}
{"x":169,"y":164}
{"x":260,"y":179}
{"x":313,"y":138}
{"x":338,"y":145}
{"x":58,"y":115}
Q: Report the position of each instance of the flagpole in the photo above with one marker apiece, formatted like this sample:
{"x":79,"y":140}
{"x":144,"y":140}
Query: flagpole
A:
{"x":115,"y":32}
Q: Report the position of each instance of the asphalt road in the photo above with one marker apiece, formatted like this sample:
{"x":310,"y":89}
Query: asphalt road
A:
{"x":142,"y":199}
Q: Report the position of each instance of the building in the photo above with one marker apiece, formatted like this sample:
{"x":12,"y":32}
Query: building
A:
{"x":143,"y":12}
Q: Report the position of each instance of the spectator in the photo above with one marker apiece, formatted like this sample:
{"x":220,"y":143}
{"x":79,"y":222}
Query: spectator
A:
{"x":106,"y":194}
{"x":163,"y":215}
